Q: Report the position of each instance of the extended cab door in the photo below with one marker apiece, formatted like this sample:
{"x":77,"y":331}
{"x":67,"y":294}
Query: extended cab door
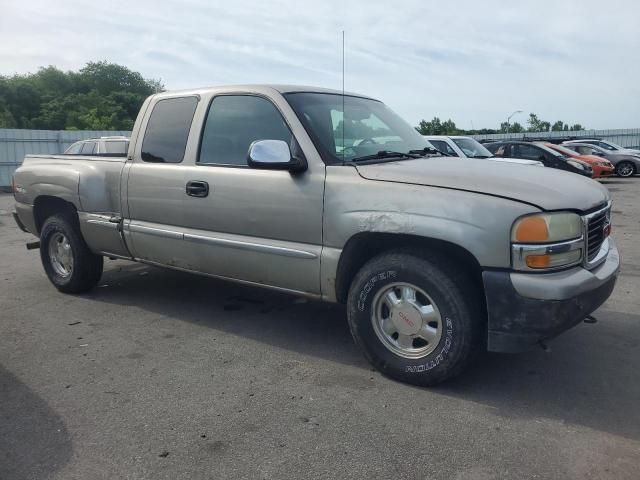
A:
{"x":259,"y":226}
{"x":154,"y":181}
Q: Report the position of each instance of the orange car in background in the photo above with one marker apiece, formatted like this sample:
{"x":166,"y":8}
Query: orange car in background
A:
{"x":601,"y":167}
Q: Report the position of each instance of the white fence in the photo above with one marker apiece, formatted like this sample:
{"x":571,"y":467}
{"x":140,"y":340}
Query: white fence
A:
{"x":629,"y":137}
{"x":16,"y":143}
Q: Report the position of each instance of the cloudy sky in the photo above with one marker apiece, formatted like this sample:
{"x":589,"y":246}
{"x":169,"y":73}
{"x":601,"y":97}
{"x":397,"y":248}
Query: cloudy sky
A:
{"x":472,"y":61}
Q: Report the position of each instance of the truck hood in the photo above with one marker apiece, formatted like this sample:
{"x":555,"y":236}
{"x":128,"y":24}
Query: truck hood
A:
{"x":546,"y":188}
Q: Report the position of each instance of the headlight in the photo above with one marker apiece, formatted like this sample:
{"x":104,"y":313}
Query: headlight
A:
{"x":547,"y":228}
{"x":547,"y":241}
{"x":575,"y":164}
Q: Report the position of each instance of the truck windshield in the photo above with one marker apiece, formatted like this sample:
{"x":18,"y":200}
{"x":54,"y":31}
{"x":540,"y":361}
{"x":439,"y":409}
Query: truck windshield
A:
{"x":348,"y":128}
{"x":472,"y":148}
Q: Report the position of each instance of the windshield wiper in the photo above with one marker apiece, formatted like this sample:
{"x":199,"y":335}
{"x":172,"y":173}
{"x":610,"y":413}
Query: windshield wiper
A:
{"x":430,"y":151}
{"x":386,"y":154}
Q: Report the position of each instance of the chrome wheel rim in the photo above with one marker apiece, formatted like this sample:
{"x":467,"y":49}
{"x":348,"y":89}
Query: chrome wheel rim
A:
{"x":406,"y":320}
{"x":60,"y":254}
{"x":625,"y":170}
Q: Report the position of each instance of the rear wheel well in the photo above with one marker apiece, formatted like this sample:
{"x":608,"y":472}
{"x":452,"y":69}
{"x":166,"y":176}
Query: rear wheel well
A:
{"x":46,"y":206}
{"x":362,"y":247}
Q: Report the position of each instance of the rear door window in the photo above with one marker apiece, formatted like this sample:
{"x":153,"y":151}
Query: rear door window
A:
{"x":116,"y":147}
{"x":497,"y":149}
{"x":528,"y":151}
{"x":582,"y":150}
{"x":88,"y":148}
{"x":443,"y":146}
{"x":165,"y":139}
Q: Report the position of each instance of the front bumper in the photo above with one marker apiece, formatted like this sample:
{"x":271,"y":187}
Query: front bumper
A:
{"x":525,"y":308}
{"x":21,"y":226}
{"x":23,"y":216}
{"x":599,"y":172}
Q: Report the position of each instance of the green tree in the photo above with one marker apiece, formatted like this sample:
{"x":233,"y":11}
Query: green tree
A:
{"x":537,"y":125}
{"x":437,"y":127}
{"x":106,"y":78}
{"x":515,"y":127}
{"x":449,"y":128}
{"x":6,"y":117}
{"x":101,"y":96}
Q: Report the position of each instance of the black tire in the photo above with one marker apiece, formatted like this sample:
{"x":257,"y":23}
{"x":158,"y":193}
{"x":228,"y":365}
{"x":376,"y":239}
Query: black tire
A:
{"x":87,"y":266}
{"x":451,"y":289}
{"x":625,"y":169}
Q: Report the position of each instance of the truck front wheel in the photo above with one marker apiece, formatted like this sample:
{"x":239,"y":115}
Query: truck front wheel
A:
{"x":417,"y":319}
{"x":66,"y":258}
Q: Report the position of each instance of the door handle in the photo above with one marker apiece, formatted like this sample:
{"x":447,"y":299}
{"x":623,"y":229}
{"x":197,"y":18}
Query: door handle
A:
{"x":197,"y":188}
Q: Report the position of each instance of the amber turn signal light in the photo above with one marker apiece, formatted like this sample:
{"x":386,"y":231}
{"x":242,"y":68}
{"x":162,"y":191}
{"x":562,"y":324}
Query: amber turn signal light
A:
{"x":538,"y":261}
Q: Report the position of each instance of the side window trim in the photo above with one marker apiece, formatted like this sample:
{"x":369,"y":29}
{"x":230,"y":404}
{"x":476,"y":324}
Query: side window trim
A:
{"x":206,"y":117}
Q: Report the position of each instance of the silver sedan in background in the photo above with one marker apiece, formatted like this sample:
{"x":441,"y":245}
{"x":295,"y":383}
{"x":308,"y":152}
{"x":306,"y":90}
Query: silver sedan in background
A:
{"x":625,"y":162}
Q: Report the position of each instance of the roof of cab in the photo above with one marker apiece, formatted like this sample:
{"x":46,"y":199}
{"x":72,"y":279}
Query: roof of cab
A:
{"x":259,"y":88}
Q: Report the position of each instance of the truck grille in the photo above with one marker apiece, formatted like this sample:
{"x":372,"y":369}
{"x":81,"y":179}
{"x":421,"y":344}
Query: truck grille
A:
{"x":596,"y":232}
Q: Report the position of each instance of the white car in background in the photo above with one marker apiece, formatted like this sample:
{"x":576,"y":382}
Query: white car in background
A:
{"x":114,"y":146}
{"x":467,"y":147}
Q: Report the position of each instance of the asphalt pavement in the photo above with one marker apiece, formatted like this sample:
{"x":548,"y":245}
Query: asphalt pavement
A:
{"x":158,"y":374}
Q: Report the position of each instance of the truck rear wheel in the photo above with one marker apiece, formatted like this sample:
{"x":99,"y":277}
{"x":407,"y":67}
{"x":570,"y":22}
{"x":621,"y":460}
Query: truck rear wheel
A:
{"x":66,"y":258}
{"x":417,"y":319}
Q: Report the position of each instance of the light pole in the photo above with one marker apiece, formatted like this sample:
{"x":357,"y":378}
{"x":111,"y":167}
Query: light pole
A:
{"x":509,"y":118}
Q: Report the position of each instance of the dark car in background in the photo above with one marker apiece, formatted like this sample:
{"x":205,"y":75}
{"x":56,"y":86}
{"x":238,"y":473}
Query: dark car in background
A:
{"x":626,"y":164}
{"x":538,"y":151}
{"x":115,"y":146}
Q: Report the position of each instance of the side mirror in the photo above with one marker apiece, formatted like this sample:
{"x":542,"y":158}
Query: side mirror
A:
{"x":274,"y":155}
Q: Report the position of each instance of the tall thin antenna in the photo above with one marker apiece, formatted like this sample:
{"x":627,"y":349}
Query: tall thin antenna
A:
{"x":343,"y":115}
